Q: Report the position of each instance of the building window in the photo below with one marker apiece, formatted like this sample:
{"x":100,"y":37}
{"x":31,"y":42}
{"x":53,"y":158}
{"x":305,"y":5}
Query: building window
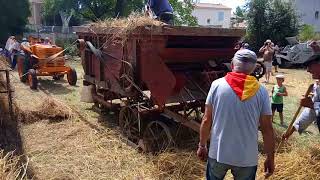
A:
{"x":316,"y":15}
{"x":220,"y":16}
{"x":208,"y":21}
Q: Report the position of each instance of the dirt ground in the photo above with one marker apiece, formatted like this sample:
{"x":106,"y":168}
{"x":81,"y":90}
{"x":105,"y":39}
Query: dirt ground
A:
{"x":89,"y":146}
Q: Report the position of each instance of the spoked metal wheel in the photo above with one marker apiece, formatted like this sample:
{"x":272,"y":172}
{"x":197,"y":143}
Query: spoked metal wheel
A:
{"x":126,"y":78}
{"x":129,"y":123}
{"x":157,"y":137}
{"x":259,"y":71}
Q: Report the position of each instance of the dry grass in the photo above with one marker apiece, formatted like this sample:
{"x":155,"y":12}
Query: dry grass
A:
{"x":72,"y":150}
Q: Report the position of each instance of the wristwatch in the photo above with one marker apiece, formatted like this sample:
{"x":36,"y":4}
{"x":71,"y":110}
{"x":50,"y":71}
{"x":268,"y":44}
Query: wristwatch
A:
{"x":202,"y":146}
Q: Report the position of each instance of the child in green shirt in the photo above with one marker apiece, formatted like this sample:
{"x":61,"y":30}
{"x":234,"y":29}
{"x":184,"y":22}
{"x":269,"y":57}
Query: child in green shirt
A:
{"x":278,"y":91}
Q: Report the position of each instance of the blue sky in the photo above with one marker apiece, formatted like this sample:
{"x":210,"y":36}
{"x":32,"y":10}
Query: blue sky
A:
{"x":230,"y":3}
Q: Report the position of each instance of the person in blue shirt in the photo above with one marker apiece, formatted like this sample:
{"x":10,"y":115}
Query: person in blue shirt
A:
{"x":162,"y":9}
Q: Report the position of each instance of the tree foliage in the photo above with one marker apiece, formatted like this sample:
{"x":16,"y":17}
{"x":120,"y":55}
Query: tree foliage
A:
{"x":270,"y":19}
{"x":13,"y":18}
{"x":94,"y":10}
{"x":240,"y":14}
{"x":183,"y":12}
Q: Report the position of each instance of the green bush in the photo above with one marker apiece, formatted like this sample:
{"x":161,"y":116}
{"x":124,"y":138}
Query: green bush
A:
{"x":68,"y":44}
{"x":307,"y":32}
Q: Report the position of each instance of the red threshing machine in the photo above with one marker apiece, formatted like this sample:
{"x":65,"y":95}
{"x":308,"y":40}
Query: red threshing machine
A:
{"x":158,"y":78}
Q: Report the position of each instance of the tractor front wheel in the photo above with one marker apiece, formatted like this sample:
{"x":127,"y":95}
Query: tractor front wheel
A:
{"x":32,"y":78}
{"x":72,"y":77}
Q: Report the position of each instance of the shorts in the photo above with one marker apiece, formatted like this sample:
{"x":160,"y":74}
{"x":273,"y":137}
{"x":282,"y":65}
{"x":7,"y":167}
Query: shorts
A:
{"x":268,"y":66}
{"x":307,"y":117}
{"x":278,"y":107}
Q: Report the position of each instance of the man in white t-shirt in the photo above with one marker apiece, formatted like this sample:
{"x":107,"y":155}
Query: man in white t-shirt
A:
{"x":235,"y":107}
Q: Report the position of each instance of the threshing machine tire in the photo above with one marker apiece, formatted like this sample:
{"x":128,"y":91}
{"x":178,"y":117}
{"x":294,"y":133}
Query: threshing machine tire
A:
{"x":157,"y":137}
{"x":129,"y":123}
{"x":260,"y":70}
{"x":72,"y":77}
{"x":32,"y":78}
{"x":21,"y":71}
{"x":58,"y":77}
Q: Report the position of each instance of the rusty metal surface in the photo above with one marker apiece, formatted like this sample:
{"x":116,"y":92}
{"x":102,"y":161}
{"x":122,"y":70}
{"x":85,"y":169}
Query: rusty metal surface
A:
{"x":172,"y":63}
{"x":165,"y":31}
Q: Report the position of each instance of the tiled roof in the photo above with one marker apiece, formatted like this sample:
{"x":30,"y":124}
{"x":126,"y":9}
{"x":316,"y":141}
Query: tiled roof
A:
{"x":209,"y":5}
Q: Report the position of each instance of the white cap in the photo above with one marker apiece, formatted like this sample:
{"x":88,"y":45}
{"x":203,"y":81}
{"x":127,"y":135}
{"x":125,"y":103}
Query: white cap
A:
{"x":280,"y":76}
{"x":268,"y":41}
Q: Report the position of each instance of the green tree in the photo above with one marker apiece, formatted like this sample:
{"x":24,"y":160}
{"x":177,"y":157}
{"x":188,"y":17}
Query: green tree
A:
{"x":270,"y":19}
{"x":65,"y":8}
{"x":307,"y":32}
{"x":183,"y":12}
{"x":13,"y":18}
{"x":239,"y":14}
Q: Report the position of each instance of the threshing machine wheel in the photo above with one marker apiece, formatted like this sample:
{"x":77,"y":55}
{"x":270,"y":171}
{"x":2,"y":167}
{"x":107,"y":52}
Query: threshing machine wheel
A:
{"x":32,"y":78}
{"x":72,"y":77}
{"x":157,"y":137}
{"x":129,"y":123}
{"x":127,"y":76}
{"x":259,"y":71}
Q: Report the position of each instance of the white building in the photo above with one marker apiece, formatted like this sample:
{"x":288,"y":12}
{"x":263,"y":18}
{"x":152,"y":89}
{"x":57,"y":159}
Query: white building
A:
{"x":309,"y":12}
{"x":35,"y":8}
{"x":215,"y":15}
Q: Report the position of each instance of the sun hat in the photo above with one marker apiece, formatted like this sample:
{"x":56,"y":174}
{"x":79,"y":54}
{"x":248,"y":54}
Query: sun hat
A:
{"x":280,"y":76}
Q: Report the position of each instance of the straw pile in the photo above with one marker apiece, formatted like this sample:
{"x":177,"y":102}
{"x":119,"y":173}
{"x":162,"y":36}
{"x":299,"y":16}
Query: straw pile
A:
{"x":297,"y":164}
{"x":179,"y":165}
{"x":125,"y":27}
{"x":51,"y":109}
{"x":10,"y":167}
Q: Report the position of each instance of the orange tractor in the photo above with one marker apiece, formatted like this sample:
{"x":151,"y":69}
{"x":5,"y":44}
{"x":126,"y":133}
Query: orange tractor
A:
{"x":44,"y":60}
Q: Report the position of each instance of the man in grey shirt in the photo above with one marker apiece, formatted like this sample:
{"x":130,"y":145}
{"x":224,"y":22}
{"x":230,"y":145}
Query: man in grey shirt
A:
{"x":235,"y":107}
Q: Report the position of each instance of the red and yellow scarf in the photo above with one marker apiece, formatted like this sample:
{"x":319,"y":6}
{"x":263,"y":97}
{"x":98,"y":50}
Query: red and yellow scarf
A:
{"x":245,"y":86}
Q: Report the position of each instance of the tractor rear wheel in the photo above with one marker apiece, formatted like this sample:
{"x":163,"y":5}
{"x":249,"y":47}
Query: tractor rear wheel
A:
{"x":72,"y":77}
{"x":32,"y":78}
{"x":21,"y":70}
